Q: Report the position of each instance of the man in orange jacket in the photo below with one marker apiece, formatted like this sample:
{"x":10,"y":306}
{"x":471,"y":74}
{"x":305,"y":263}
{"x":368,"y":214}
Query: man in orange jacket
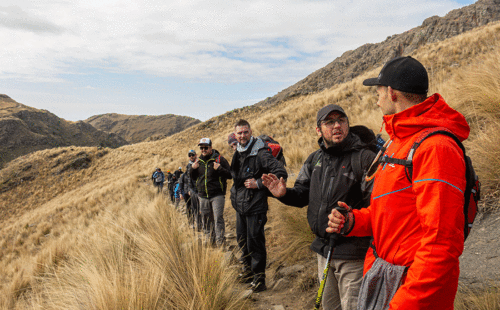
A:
{"x":417,"y":225}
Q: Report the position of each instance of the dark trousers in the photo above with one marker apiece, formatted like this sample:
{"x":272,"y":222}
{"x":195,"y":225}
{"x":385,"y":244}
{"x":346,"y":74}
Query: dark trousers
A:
{"x":195,"y":206}
{"x":189,"y":210}
{"x":252,"y":243}
{"x":159,"y":185}
{"x":171,"y":191}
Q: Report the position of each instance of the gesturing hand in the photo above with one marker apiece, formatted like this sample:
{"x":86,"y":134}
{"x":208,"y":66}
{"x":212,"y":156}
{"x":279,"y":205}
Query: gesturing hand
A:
{"x":275,"y":186}
{"x":196,"y":164}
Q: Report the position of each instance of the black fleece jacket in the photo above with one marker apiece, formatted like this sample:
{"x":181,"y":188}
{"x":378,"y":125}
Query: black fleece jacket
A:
{"x":324,"y":182}
{"x":210,"y":182}
{"x":251,"y":164}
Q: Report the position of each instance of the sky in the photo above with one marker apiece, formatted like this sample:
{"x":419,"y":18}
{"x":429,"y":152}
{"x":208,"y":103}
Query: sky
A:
{"x":79,"y":58}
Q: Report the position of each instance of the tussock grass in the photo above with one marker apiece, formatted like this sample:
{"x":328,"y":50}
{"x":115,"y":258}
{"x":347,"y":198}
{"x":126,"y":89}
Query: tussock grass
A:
{"x":95,"y":237}
{"x":468,"y":299}
{"x":294,"y":243}
{"x":147,"y":259}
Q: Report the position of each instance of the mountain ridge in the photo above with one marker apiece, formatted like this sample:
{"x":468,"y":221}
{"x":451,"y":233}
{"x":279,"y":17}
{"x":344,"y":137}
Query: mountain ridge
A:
{"x":372,"y":55}
{"x":137,"y":128}
{"x":25,"y":129}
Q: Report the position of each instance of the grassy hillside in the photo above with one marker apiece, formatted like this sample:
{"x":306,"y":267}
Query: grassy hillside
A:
{"x":82,"y":228}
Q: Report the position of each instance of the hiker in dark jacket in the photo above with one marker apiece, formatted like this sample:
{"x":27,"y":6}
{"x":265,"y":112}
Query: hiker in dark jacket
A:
{"x":158,"y":179}
{"x":177,"y":174}
{"x":184,"y":195}
{"x":178,"y":190}
{"x":170,"y":183}
{"x":193,"y":193}
{"x":331,"y":174}
{"x":249,"y":198}
{"x":211,"y":171}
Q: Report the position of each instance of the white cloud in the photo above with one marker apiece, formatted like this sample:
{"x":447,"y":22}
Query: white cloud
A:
{"x":73,"y":46}
{"x":240,"y":41}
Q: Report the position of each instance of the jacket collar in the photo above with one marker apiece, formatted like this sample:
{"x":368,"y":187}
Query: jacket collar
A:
{"x":433,"y":112}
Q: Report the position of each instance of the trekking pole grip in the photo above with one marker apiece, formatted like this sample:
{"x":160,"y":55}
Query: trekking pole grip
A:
{"x":333,"y":240}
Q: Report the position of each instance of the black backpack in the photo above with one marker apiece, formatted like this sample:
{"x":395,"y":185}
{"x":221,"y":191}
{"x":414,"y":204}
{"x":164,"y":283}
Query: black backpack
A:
{"x":473,"y":186}
{"x":275,"y":147}
{"x":374,"y":143}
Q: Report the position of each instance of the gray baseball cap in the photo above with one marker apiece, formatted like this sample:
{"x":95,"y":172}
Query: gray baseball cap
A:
{"x":325,"y":111}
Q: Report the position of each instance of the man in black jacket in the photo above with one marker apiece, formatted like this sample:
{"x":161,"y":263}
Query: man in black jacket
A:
{"x":170,"y":183}
{"x":211,"y":172}
{"x":331,"y":174}
{"x":191,"y":194}
{"x":249,"y":198}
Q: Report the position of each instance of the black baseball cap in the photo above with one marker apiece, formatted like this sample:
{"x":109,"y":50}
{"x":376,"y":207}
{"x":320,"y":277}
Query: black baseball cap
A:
{"x":405,"y":74}
{"x":324,"y":111}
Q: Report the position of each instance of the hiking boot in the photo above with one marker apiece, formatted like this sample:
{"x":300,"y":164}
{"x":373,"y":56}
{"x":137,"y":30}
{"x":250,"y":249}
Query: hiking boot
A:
{"x":244,"y":278}
{"x":257,"y":287}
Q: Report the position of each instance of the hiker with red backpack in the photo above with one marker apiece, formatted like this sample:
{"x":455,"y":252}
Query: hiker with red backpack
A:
{"x":252,"y":159}
{"x":211,"y":172}
{"x":333,"y":173}
{"x":416,"y":214}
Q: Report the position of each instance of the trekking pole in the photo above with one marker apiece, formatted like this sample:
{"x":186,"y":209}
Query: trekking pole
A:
{"x":321,"y":289}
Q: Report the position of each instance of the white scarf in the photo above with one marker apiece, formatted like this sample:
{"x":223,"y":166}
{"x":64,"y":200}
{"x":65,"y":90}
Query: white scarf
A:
{"x":241,"y":148}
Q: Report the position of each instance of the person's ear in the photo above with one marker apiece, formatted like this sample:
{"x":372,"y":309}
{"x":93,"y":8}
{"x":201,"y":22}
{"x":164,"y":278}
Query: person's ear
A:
{"x":392,"y":94}
{"x":318,"y":131}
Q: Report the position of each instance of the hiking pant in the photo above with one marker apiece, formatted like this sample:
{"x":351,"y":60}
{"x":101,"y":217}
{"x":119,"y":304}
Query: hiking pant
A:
{"x":171,"y":191}
{"x":342,"y":284}
{"x":159,"y":185}
{"x":212,"y":215}
{"x":189,"y":210}
{"x":195,"y":205}
{"x":252,"y":243}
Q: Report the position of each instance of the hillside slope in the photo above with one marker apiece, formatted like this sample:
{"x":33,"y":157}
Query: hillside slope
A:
{"x":53,"y":201}
{"x":25,"y":129}
{"x":137,"y":128}
{"x":369,"y":56}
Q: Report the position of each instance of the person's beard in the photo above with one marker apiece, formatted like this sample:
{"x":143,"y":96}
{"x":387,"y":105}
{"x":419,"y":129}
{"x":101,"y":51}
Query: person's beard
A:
{"x":328,"y":143}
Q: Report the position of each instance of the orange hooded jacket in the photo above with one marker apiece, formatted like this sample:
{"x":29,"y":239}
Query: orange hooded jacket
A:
{"x":420,"y":225}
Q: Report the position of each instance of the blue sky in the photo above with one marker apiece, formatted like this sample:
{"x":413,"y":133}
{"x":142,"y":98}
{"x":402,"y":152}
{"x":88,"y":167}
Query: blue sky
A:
{"x":79,"y":58}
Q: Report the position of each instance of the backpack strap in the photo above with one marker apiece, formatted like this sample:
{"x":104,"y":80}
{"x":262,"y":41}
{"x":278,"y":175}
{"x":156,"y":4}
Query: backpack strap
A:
{"x":408,"y":162}
{"x":357,"y":167}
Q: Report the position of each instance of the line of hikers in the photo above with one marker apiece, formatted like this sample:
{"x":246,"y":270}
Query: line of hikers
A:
{"x":397,"y":216}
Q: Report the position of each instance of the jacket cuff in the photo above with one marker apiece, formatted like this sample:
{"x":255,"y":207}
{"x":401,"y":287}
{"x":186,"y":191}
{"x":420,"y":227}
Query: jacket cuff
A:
{"x":259,"y":183}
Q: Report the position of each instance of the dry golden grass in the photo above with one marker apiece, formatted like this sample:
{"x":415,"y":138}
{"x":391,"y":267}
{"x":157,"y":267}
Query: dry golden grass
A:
{"x":488,"y":299}
{"x":94,"y":237}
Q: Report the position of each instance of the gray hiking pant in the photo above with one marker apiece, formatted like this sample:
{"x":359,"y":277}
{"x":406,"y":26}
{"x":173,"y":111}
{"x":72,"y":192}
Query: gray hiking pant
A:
{"x":342,"y":284}
{"x":212,"y":216}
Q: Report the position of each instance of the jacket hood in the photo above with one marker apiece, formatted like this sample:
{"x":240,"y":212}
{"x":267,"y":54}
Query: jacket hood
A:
{"x":258,"y":144}
{"x":433,"y":112}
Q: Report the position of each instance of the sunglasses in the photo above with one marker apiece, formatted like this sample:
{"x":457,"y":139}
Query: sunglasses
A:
{"x":203,"y":148}
{"x":191,"y":155}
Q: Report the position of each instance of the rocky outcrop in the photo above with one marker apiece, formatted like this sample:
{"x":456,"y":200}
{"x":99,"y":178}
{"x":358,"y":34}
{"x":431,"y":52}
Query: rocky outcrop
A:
{"x":369,"y":56}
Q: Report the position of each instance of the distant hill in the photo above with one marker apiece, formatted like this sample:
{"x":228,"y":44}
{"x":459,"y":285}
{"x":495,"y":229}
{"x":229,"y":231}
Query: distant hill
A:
{"x":137,"y":128}
{"x":24,"y":129}
{"x":370,"y":56}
